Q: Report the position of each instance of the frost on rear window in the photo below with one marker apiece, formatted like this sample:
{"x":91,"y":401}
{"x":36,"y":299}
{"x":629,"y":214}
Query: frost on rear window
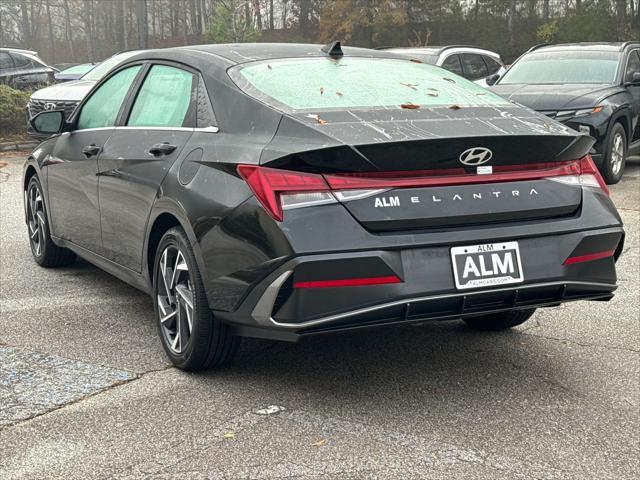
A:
{"x":357,"y":83}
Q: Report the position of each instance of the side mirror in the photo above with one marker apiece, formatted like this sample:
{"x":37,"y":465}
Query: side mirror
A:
{"x":492,"y":79}
{"x":48,"y":123}
{"x":635,"y":78}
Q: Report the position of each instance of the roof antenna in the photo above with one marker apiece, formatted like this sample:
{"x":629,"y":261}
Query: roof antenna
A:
{"x":333,"y":49}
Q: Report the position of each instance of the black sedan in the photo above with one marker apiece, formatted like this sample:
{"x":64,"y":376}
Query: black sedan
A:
{"x":591,"y":87}
{"x":280,"y":191}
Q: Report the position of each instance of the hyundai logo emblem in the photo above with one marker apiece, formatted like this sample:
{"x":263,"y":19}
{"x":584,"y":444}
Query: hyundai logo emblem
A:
{"x":49,"y":106}
{"x":475,"y":156}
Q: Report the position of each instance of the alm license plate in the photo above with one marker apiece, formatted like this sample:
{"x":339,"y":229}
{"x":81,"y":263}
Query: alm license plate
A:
{"x":486,"y":265}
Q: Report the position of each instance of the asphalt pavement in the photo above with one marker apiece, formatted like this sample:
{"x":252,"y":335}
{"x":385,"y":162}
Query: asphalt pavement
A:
{"x":86,"y":391}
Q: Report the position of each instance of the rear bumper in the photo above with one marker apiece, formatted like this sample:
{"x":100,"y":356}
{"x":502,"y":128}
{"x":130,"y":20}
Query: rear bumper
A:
{"x":276,"y":309}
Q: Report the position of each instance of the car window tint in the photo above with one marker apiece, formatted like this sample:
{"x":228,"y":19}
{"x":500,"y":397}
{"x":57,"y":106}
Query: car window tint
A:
{"x":492,"y":65}
{"x":474,"y":66}
{"x":101,"y":110}
{"x":452,"y":63}
{"x":633,"y":66}
{"x":20,"y":61}
{"x":164,"y":98}
{"x":5,"y":61}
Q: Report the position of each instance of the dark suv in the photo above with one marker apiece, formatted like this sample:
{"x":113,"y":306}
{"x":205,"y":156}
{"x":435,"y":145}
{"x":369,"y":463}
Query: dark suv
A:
{"x":24,"y":69}
{"x":591,"y":87}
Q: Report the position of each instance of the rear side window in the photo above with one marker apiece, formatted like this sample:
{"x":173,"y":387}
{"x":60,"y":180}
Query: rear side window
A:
{"x":20,"y":60}
{"x":474,"y":66}
{"x":492,"y":65}
{"x":164,"y":99}
{"x":5,"y":61}
{"x":452,"y":63}
{"x":320,"y":83}
{"x":101,"y":110}
{"x":633,"y":66}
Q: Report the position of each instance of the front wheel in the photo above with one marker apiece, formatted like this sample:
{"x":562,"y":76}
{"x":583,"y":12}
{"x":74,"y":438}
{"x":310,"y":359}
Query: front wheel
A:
{"x":191,"y":336}
{"x":499,"y":321}
{"x":615,"y":154}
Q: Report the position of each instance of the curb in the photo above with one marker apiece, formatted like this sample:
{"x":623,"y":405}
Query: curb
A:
{"x":10,"y":146}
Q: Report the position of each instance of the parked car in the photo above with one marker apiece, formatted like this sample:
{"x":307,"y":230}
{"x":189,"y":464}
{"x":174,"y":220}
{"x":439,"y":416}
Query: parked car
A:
{"x":23,"y":69}
{"x":282,"y":191}
{"x":472,"y":63}
{"x":74,"y":72}
{"x":591,"y":87}
{"x":67,"y":95}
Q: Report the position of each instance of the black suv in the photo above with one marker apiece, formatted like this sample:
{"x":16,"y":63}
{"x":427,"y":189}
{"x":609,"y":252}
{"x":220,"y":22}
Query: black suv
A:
{"x":591,"y":87}
{"x":24,"y":69}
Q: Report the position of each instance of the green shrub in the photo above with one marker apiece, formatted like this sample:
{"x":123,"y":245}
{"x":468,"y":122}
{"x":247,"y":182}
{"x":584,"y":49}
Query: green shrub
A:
{"x":12,"y":110}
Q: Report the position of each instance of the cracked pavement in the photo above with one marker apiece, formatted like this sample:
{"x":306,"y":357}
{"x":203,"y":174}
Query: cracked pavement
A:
{"x":86,"y":391}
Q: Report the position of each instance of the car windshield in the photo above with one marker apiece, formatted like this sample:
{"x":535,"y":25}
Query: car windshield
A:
{"x":356,"y":83}
{"x":560,"y":67}
{"x":78,"y":69}
{"x":103,"y":68}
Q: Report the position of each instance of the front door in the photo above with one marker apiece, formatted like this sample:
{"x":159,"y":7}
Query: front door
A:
{"x":137,"y":157}
{"x":633,"y":66}
{"x":73,"y":166}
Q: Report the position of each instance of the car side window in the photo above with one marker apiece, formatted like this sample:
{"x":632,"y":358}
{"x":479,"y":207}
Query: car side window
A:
{"x":452,"y":63}
{"x":5,"y":61}
{"x":167,"y":98}
{"x":474,"y":66}
{"x":101,"y":110}
{"x":492,"y":65}
{"x":20,"y":61}
{"x":633,"y":66}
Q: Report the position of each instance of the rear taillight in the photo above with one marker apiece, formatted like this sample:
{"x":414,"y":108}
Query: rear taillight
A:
{"x":279,"y":189}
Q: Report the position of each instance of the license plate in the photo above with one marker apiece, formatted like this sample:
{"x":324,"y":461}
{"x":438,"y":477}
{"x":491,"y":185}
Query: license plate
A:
{"x":486,"y":265}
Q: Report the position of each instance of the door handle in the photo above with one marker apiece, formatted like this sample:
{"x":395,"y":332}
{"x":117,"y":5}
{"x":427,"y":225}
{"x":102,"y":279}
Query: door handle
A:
{"x":91,"y":150}
{"x":162,"y":149}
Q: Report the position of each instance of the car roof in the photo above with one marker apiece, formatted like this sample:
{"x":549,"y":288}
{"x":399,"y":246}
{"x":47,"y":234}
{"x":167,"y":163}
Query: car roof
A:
{"x":594,"y":46}
{"x":438,"y":50}
{"x":237,"y":53}
{"x":18,"y":50}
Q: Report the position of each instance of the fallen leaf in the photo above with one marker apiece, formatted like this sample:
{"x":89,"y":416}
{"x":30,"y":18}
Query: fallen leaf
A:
{"x":410,"y":106}
{"x":481,"y":93}
{"x":410,"y":85}
{"x":319,"y":443}
{"x":455,"y":107}
{"x":269,"y":67}
{"x":415,"y":60}
{"x":317,"y":119}
{"x":449,"y":79}
{"x":432,"y":94}
{"x":340,"y":94}
{"x":321,"y":91}
{"x":270,"y":410}
{"x":229,"y":435}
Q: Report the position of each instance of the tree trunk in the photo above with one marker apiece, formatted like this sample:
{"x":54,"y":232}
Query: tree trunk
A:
{"x":511,"y":17}
{"x":271,"y":15}
{"x":621,"y":19}
{"x":258,"y":13}
{"x":545,"y":10}
{"x":26,"y":28}
{"x":88,"y":4}
{"x":52,"y":40}
{"x":141,"y":19}
{"x":68,"y":32}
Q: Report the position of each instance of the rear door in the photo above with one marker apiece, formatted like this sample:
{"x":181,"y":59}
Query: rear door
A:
{"x":633,"y":66}
{"x":452,"y":63}
{"x":474,"y":66}
{"x":136,"y":158}
{"x":73,"y":165}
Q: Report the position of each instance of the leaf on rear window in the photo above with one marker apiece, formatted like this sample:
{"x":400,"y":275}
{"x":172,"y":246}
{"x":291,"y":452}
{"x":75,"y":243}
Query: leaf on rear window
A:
{"x":412,"y":86}
{"x":481,"y":93}
{"x":319,"y":443}
{"x":415,"y":60}
{"x":449,"y":79}
{"x":269,"y":67}
{"x":432,"y":94}
{"x":410,"y":106}
{"x":321,"y":90}
{"x":340,"y":94}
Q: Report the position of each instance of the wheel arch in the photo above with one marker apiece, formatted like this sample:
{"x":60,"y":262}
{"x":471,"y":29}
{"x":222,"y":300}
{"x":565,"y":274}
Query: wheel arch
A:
{"x":623,"y":117}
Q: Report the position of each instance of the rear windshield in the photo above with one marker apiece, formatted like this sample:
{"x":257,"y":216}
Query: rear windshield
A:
{"x":356,"y":83}
{"x":560,"y":67}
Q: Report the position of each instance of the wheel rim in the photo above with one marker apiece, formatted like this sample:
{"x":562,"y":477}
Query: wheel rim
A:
{"x":617,"y":153}
{"x":36,"y":219}
{"x":175,"y":299}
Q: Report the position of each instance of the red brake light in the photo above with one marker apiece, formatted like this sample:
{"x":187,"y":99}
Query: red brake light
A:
{"x":589,"y":257}
{"x":267,"y":184}
{"x":349,"y":282}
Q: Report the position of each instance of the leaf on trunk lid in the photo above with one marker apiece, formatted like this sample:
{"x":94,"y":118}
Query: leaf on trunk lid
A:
{"x":317,"y":118}
{"x":410,"y":106}
{"x":455,"y":107}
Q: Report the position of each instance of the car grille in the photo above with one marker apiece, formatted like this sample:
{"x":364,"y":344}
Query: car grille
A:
{"x":36,"y":106}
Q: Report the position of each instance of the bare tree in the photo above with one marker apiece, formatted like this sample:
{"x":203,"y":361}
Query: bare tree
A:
{"x":141,"y":18}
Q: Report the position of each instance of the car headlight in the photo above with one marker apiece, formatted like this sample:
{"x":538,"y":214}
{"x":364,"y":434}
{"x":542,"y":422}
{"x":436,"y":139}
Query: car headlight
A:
{"x":582,"y":112}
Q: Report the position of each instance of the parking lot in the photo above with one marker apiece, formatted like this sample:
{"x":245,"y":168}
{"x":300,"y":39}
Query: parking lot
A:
{"x":86,"y":391}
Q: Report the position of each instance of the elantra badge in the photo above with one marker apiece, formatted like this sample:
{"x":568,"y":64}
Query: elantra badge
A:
{"x":475,"y":156}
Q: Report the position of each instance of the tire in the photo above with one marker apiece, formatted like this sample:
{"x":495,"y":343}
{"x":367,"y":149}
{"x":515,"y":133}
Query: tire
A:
{"x":191,"y":336}
{"x":46,"y":253}
{"x":615,"y":155}
{"x":499,"y":321}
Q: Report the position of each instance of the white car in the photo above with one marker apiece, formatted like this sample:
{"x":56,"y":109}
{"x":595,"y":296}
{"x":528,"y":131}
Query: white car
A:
{"x":472,"y":63}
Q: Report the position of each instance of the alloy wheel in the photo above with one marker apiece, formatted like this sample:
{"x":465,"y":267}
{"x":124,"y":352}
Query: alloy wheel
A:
{"x":175,"y":299}
{"x":36,"y":219}
{"x":617,"y":153}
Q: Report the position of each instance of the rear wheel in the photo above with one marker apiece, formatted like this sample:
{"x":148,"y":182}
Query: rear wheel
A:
{"x":615,"y":155}
{"x":45,"y":252}
{"x":191,"y":336}
{"x":499,"y":321}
